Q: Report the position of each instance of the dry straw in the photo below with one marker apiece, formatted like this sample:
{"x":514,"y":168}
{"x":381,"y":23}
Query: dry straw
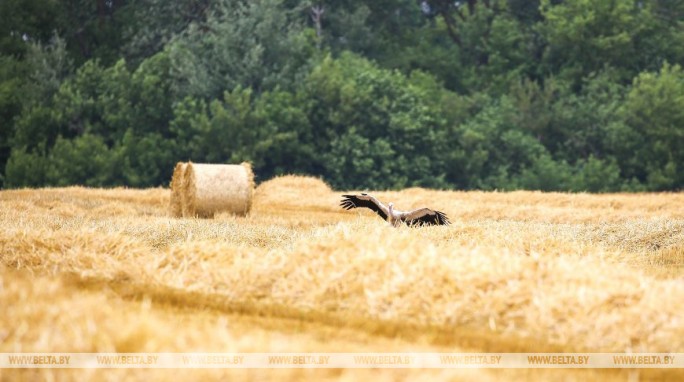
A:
{"x":519,"y":271}
{"x":208,"y":189}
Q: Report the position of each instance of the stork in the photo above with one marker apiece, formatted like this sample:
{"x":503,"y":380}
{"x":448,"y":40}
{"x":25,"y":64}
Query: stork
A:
{"x":415,"y":218}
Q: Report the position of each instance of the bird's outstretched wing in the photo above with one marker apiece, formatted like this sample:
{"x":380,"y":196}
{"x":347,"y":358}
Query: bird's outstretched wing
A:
{"x":367,"y":201}
{"x":424,"y":216}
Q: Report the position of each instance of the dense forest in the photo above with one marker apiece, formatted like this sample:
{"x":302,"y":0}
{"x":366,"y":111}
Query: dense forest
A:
{"x":581,"y":95}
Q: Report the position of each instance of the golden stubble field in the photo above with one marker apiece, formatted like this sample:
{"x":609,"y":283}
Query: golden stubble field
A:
{"x":95,"y":270}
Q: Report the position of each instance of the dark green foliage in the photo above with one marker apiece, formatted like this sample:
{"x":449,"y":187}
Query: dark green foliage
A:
{"x":654,"y":114}
{"x":256,"y":44}
{"x":83,"y":160}
{"x":143,"y":160}
{"x":367,"y":118}
{"x":552,"y":95}
{"x":26,"y":168}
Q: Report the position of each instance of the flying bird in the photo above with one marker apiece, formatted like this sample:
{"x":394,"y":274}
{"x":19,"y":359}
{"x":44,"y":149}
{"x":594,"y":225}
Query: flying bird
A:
{"x":415,"y":218}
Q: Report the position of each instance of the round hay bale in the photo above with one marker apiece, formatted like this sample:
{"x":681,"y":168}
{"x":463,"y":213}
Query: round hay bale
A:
{"x":176,"y":200}
{"x":294,"y":184}
{"x":211,"y":188}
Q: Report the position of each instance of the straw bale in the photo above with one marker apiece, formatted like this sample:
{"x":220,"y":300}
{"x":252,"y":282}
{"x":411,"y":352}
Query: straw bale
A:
{"x":176,"y":200}
{"x":285,"y":192}
{"x":211,"y":188}
{"x":294,"y":184}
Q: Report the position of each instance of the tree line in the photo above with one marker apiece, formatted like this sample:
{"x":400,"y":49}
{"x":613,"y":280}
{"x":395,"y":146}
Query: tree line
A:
{"x":582,"y":95}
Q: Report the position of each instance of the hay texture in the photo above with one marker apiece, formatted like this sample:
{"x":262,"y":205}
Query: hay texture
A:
{"x":176,"y":200}
{"x":207,"y":189}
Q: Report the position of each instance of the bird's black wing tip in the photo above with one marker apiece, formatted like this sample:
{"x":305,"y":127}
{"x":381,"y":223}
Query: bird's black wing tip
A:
{"x":442,"y":219}
{"x":347,"y":203}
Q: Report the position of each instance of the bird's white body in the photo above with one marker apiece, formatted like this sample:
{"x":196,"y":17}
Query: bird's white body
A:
{"x":394,"y":216}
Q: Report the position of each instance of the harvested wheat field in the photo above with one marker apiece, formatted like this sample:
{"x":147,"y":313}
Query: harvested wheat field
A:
{"x":94,"y":270}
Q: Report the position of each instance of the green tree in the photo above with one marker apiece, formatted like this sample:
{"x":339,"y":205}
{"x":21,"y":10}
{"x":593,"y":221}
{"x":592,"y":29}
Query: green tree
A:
{"x":586,"y":36}
{"x":26,"y":168}
{"x":490,"y":150}
{"x":257,"y":45}
{"x":27,"y":86}
{"x":654,"y":110}
{"x":270,"y":130}
{"x":350,"y":101}
{"x":143,"y":160}
{"x":545,"y":174}
{"x":150,"y":25}
{"x":598,"y":175}
{"x":85,"y":160}
{"x":11,"y":84}
{"x":24,"y":21}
